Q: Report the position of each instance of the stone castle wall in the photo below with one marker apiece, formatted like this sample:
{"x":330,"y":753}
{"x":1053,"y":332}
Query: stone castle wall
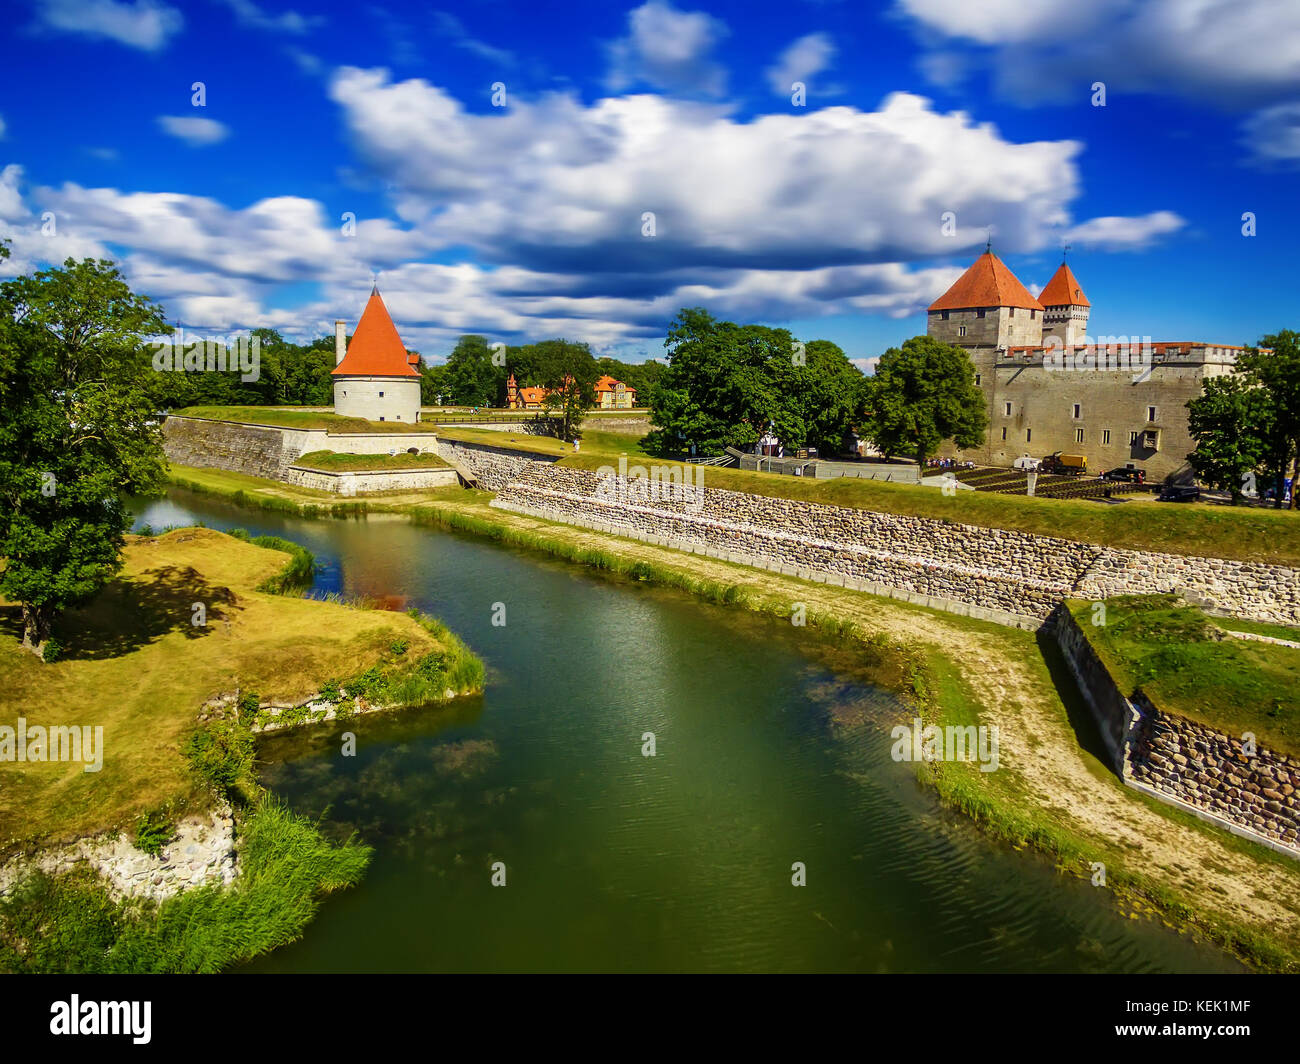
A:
{"x":1184,"y":762}
{"x":957,"y":566}
{"x":492,"y":467}
{"x":352,"y":482}
{"x":268,"y":451}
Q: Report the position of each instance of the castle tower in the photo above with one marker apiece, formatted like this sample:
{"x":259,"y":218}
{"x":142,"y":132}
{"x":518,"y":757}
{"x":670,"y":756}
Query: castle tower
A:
{"x":376,"y":379}
{"x":987,"y":307}
{"x":1065,"y":308}
{"x":512,"y":392}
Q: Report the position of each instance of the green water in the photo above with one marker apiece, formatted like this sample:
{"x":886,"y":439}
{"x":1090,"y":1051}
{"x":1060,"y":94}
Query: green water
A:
{"x":615,"y":861}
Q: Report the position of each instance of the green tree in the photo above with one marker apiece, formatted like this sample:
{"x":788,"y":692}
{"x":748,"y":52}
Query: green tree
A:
{"x":922,"y":394}
{"x":569,"y":374}
{"x":725,"y":384}
{"x":1275,"y":366}
{"x":470,"y":374}
{"x":1235,"y":425}
{"x":77,"y":429}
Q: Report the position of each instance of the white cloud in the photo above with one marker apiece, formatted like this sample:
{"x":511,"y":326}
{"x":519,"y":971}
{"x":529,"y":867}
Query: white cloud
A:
{"x":450,"y":26}
{"x":1221,"y":51}
{"x":554,"y":184}
{"x":1125,"y":234}
{"x":785,"y":216}
{"x":143,"y":24}
{"x":668,"y":49}
{"x":1273,"y":134}
{"x":807,"y":56}
{"x":196,"y":132}
{"x":249,"y":14}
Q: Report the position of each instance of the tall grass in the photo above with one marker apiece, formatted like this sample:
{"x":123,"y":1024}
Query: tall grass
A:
{"x":271,"y":503}
{"x":70,"y":923}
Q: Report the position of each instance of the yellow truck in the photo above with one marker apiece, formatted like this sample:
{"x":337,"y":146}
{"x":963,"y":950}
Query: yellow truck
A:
{"x":1068,"y":464}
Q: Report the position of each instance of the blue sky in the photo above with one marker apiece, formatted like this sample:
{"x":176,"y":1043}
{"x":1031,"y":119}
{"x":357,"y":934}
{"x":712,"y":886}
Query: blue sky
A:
{"x":522,"y":218}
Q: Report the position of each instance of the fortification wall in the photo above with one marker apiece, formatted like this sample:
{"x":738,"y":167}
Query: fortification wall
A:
{"x":1183,"y":762}
{"x":958,"y":566}
{"x":268,"y":451}
{"x":492,"y":467}
{"x":354,"y":482}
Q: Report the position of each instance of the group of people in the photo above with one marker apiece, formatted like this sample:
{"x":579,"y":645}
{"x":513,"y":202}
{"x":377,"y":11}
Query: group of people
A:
{"x":948,"y":463}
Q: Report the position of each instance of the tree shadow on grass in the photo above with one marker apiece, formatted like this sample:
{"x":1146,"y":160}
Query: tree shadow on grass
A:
{"x":131,"y":613}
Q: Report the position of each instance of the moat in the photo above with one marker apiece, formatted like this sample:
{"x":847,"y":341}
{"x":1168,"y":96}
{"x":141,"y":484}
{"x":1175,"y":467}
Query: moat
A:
{"x":615,"y":861}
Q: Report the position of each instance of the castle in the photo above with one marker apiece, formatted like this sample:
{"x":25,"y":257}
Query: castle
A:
{"x":374,"y":376}
{"x":1048,"y":388}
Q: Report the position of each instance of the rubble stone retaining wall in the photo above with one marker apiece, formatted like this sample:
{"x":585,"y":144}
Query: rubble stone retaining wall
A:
{"x":201,"y":853}
{"x":955,"y":566}
{"x":1184,"y":762}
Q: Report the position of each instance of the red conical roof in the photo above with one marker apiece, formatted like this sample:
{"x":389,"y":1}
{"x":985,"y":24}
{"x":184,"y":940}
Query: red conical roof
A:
{"x":376,"y":350}
{"x":1063,"y":290}
{"x":988,"y":283}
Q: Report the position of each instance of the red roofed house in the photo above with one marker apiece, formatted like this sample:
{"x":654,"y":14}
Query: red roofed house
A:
{"x":614,"y":395}
{"x":374,"y":376}
{"x":610,"y":395}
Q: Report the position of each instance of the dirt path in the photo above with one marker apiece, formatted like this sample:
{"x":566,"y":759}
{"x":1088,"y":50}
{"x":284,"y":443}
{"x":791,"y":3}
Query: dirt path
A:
{"x":1037,"y":742}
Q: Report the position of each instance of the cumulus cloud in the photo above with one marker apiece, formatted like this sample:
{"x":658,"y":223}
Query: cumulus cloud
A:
{"x":249,"y":14}
{"x":1272,"y":135}
{"x":807,"y":56}
{"x":1226,"y":52}
{"x":555,"y":184}
{"x":668,"y":49}
{"x":1125,"y":234}
{"x":777,"y":217}
{"x":196,"y":132}
{"x":144,"y":24}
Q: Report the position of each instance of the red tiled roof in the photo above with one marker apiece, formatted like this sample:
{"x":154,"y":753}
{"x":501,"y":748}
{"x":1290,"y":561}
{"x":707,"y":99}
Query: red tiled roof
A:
{"x":1063,"y":290}
{"x":608,"y":384}
{"x":988,"y":283}
{"x":376,"y":350}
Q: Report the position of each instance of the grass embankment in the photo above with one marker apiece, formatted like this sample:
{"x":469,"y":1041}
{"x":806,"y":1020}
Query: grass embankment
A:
{"x":1180,"y":660}
{"x":133,"y":663}
{"x":279,"y":497}
{"x":1213,"y":531}
{"x":333,"y":462}
{"x":1054,"y":790}
{"x":136,"y":641}
{"x":299,"y":419}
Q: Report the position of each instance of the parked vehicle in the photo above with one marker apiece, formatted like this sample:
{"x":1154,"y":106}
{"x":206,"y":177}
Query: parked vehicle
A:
{"x":1179,"y":493}
{"x":1070,"y":464}
{"x":1026,"y":463}
{"x":1126,"y":473}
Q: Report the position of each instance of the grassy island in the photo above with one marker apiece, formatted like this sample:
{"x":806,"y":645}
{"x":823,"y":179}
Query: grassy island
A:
{"x":134,"y":663}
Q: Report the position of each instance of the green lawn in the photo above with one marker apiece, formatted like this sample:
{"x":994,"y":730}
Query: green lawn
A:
{"x":1178,"y":658}
{"x":133,"y":664}
{"x":333,"y":462}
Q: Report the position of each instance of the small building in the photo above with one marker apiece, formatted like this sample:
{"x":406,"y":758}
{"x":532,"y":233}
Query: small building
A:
{"x":614,"y":395}
{"x":610,"y":395}
{"x":375,"y":377}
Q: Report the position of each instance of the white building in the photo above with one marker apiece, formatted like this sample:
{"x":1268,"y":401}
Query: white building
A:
{"x":374,"y":377}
